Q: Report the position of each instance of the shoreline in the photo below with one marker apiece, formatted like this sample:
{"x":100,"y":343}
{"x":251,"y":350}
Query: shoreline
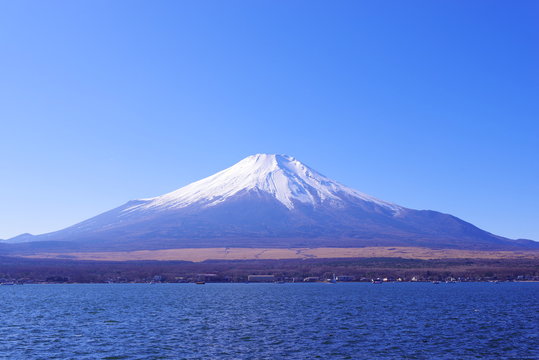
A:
{"x":38,"y":270}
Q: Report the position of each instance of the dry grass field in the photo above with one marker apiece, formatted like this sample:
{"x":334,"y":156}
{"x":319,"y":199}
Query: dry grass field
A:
{"x":199,"y":255}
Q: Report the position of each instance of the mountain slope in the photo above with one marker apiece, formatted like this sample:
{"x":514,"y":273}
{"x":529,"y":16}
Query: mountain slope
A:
{"x":268,"y":201}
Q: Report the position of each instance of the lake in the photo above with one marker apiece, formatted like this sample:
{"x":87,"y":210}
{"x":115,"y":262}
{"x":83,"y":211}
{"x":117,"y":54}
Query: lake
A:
{"x":271,"y":321}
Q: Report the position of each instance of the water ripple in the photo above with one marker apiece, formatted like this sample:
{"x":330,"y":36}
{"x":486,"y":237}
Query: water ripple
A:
{"x":267,"y":321}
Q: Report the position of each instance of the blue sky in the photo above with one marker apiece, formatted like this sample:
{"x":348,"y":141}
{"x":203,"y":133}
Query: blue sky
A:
{"x":428,"y":104}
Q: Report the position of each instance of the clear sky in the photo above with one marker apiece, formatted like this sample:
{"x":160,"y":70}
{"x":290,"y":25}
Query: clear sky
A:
{"x":428,"y":104}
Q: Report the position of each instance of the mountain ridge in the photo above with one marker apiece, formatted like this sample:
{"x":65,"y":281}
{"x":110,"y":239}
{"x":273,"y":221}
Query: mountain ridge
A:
{"x":271,"y":201}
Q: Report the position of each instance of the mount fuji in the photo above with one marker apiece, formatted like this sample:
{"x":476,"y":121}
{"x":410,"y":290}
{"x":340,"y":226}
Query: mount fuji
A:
{"x":271,"y":201}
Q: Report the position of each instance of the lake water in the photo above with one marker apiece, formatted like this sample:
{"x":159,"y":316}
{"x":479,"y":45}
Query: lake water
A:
{"x":270,"y":321}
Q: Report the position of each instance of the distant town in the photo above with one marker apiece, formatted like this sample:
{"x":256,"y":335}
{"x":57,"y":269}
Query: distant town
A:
{"x":375,"y":270}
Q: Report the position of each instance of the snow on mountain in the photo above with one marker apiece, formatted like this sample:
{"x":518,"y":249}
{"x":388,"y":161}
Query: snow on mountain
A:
{"x":282,"y":176}
{"x":265,"y":201}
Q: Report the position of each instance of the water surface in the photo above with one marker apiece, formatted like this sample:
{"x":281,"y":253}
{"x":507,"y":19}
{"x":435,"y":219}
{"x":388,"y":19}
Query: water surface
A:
{"x":270,"y":321}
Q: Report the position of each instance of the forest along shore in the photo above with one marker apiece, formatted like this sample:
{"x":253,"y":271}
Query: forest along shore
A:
{"x":25,"y":270}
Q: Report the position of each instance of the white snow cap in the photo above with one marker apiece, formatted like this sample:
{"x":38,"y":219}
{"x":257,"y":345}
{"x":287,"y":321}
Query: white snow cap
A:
{"x":281,"y":176}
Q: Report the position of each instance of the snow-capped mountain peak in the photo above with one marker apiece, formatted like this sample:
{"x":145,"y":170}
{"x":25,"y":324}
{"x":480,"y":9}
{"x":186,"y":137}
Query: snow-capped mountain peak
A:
{"x":266,"y":201}
{"x":282,"y":176}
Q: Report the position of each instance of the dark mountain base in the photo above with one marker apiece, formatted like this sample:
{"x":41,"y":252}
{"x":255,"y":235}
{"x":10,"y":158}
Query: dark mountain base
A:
{"x":36,"y":247}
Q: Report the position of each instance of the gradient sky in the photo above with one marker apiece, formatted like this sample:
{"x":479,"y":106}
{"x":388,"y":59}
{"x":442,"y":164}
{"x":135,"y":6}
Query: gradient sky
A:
{"x":428,"y":104}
